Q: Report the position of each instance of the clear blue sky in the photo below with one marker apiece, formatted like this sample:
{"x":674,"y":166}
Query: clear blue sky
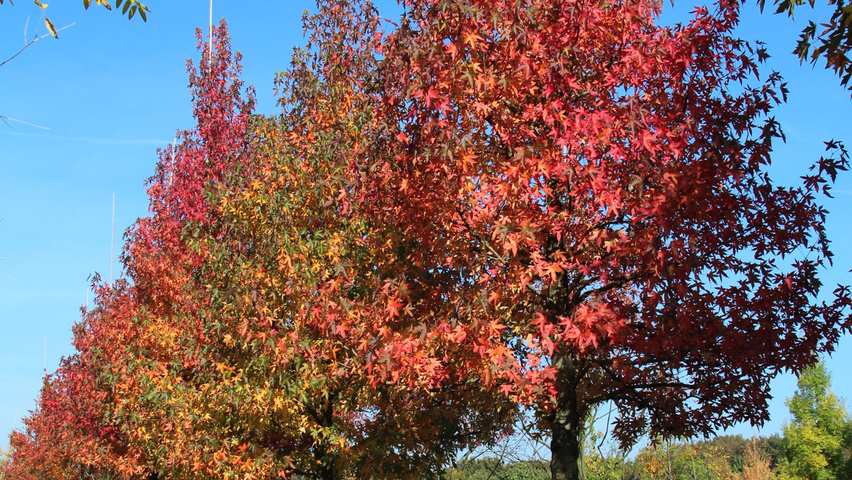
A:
{"x":113,"y":91}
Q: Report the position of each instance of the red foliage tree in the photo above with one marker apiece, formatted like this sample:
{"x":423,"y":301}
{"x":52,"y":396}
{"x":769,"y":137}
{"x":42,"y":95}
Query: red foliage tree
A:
{"x":161,"y":367}
{"x":298,"y":300}
{"x":591,"y":190}
{"x":71,"y":434}
{"x":106,"y":408}
{"x":259,"y":301}
{"x":544,"y":204}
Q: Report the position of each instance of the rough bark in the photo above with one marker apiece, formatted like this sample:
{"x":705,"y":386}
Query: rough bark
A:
{"x":566,"y":444}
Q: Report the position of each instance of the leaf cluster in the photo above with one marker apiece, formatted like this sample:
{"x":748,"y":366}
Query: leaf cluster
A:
{"x":830,"y":40}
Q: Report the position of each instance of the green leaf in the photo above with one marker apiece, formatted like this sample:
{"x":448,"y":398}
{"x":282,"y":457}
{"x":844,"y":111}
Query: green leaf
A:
{"x":86,"y":3}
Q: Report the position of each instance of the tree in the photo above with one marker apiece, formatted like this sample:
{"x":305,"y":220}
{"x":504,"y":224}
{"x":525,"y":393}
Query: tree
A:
{"x":495,"y":469}
{"x":257,"y":305}
{"x":670,"y":460}
{"x":68,"y":435}
{"x":738,"y":450}
{"x":756,"y":465}
{"x":604,"y":460}
{"x":4,"y":463}
{"x":497,"y":206}
{"x":244,"y":340}
{"x":590,"y":191}
{"x":818,"y":439}
{"x":300,"y":297}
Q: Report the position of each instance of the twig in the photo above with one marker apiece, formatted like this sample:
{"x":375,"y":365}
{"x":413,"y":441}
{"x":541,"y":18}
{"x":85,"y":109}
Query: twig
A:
{"x":35,"y":39}
{"x":10,"y":119}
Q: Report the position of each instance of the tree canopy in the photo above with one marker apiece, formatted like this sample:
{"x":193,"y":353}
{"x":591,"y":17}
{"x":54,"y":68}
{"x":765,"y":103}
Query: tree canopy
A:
{"x":602,"y":232}
{"x":489,"y":209}
{"x":818,"y":439}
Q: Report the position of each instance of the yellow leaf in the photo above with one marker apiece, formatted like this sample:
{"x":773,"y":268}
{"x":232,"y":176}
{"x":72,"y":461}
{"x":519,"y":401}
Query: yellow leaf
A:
{"x":50,"y":27}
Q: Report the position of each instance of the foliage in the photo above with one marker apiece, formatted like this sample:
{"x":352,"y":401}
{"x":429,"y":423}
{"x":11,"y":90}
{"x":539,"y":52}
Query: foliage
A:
{"x":605,"y":461}
{"x":299,"y":288}
{"x":736,"y":448}
{"x":244,"y":344}
{"x":756,"y":464}
{"x":54,"y":447}
{"x":818,"y":439}
{"x":495,"y":206}
{"x":834,"y":37}
{"x":671,"y":460}
{"x":131,"y":7}
{"x":722,"y":458}
{"x":70,"y":434}
{"x":128,"y":7}
{"x":733,"y":447}
{"x":773,"y":446}
{"x":4,"y":463}
{"x":495,"y":469}
{"x":591,"y":189}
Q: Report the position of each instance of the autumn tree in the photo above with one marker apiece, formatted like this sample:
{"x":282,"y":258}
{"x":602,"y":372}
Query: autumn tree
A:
{"x":494,"y":206}
{"x":589,"y":192}
{"x":73,"y":432}
{"x":671,"y":460}
{"x":68,"y":435}
{"x":259,"y":302}
{"x":159,"y":369}
{"x":756,"y":464}
{"x":109,"y":404}
{"x":818,"y":439}
{"x":303,"y":295}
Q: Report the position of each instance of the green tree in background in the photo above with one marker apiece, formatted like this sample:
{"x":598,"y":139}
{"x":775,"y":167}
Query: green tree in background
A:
{"x":497,"y":469}
{"x":672,"y":460}
{"x":737,"y":449}
{"x":604,"y":460}
{"x":818,"y":439}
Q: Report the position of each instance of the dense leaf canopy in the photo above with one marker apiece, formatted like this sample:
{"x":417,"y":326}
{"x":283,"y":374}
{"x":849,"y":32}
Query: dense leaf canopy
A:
{"x":492,"y":208}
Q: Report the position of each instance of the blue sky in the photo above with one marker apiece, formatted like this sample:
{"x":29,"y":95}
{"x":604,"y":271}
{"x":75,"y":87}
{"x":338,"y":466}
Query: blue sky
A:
{"x":112,"y":91}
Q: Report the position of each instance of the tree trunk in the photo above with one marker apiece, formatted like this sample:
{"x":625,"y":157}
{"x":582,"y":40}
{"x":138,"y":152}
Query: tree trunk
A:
{"x":566,"y":444}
